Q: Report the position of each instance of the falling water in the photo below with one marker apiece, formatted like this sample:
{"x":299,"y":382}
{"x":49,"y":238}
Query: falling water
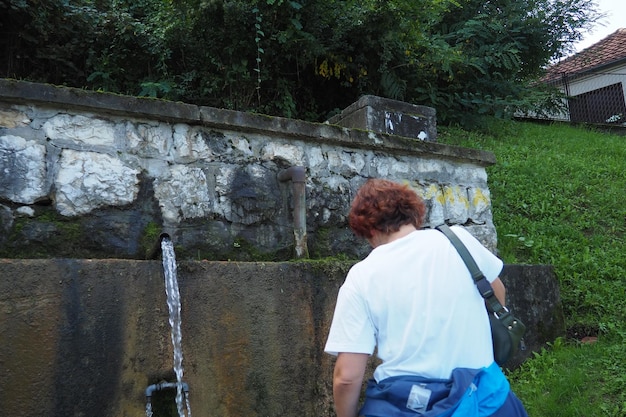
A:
{"x":173,"y":303}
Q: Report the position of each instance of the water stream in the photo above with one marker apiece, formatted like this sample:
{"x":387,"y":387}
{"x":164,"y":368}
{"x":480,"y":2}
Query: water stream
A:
{"x":173,"y":304}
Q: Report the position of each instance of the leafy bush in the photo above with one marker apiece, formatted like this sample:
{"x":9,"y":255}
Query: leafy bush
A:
{"x":297,"y":58}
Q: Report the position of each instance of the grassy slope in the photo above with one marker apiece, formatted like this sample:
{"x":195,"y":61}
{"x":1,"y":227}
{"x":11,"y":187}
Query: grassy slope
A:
{"x":557,"y":193}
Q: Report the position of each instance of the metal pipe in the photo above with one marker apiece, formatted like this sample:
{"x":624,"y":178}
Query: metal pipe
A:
{"x":165,"y":385}
{"x":155,"y":251}
{"x":297,"y":175}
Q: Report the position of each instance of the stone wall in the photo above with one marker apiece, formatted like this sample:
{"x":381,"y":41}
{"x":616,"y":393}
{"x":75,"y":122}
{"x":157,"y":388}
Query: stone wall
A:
{"x":87,"y":174}
{"x":90,"y":175}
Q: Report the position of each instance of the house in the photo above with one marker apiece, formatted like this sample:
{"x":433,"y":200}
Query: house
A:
{"x":595,"y":81}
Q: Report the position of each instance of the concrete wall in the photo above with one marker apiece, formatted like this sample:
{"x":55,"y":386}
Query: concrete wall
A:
{"x":104,"y":174}
{"x":86,"y":337}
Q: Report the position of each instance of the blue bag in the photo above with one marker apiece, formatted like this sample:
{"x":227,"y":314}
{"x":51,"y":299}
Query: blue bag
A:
{"x":468,"y":392}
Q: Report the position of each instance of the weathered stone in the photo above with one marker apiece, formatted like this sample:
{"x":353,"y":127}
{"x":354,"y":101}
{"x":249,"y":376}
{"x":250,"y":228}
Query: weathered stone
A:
{"x":217,"y":165}
{"x":6,"y":222}
{"x":23,"y":168}
{"x":189,"y":144}
{"x":480,"y":204}
{"x":183,"y":194}
{"x":533,"y":295}
{"x":88,"y":180}
{"x":390,"y":116}
{"x":13,"y":118}
{"x":291,"y":154}
{"x":25,"y":211}
{"x":82,"y":130}
{"x":148,"y":140}
{"x":456,"y":204}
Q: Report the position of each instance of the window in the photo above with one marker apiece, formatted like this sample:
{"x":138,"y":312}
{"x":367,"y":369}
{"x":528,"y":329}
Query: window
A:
{"x":603,"y":105}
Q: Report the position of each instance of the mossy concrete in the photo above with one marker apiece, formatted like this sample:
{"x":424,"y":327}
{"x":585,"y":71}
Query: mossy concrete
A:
{"x":86,"y":337}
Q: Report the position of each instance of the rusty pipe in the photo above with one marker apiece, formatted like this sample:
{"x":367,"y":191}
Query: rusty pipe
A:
{"x":297,"y":175}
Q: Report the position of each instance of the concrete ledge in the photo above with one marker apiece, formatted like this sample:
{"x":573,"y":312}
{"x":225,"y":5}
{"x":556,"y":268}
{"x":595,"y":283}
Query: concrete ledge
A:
{"x":86,"y":337}
{"x":73,"y":98}
{"x":533,"y":295}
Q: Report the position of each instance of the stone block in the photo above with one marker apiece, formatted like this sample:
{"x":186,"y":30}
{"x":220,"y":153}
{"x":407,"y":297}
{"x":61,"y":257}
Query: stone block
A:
{"x":253,"y":334}
{"x":23,"y":168}
{"x":390,"y":116}
{"x":533,"y":295}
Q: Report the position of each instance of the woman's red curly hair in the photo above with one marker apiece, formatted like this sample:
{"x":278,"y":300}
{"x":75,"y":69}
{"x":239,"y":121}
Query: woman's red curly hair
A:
{"x":385,"y":206}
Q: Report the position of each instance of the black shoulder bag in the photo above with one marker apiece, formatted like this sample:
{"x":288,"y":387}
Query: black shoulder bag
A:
{"x":506,"y":330}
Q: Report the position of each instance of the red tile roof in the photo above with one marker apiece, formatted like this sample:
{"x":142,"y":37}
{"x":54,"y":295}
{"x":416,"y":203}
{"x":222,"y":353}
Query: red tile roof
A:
{"x":611,"y":49}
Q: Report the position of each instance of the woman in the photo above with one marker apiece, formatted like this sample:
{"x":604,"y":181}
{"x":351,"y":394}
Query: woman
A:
{"x":413,"y":299}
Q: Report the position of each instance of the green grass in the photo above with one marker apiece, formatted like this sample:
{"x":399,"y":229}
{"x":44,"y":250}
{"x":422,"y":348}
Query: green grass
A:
{"x":558,"y":198}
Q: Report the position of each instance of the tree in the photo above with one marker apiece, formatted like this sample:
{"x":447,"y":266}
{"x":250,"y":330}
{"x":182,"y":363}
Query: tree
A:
{"x":297,"y":58}
{"x":502,"y":47}
{"x":40,"y":39}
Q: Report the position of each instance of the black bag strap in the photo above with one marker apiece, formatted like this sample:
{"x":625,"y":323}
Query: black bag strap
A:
{"x":484,"y":286}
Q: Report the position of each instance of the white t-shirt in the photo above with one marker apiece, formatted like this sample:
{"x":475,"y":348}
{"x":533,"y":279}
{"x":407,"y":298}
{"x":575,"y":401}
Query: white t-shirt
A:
{"x":415,"y":301}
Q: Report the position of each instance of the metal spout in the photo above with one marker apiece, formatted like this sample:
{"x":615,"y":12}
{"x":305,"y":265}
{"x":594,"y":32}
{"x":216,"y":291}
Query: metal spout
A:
{"x":155,"y":251}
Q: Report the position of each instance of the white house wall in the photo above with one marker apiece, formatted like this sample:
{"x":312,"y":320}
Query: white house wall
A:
{"x":598,"y":80}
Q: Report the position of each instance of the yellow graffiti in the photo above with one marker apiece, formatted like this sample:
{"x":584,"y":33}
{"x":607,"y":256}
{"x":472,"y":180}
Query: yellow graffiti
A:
{"x":480,"y":198}
{"x":450,"y":195}
{"x":454,"y":194}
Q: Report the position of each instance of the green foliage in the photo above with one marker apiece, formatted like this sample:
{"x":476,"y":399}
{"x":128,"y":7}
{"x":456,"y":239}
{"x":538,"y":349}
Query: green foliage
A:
{"x":305,"y":58}
{"x":496,"y":52}
{"x":39,"y":39}
{"x":573,"y":380}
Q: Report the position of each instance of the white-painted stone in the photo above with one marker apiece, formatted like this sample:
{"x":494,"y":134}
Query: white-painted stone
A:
{"x":380,"y":165}
{"x":189,"y":144}
{"x":316,"y":160}
{"x":22,"y":170}
{"x":94,"y":161}
{"x":290,"y":153}
{"x":223,"y":187}
{"x":155,"y":168}
{"x":242,"y":145}
{"x":149,"y":140}
{"x":25,"y":211}
{"x":480,"y":204}
{"x":456,"y":204}
{"x":435,"y":202}
{"x":89,"y":180}
{"x":400,"y":166}
{"x":183,"y":194}
{"x":345,"y":163}
{"x":80,"y":129}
